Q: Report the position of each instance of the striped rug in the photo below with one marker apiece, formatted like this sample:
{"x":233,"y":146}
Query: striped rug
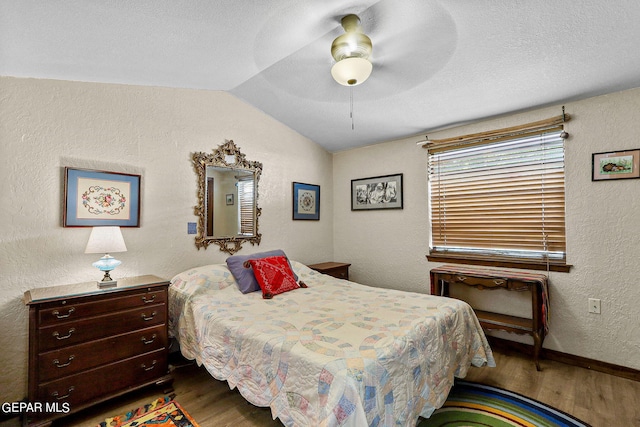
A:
{"x":473,"y":405}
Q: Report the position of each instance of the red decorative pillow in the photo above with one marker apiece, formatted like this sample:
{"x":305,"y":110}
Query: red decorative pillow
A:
{"x":274,"y":275}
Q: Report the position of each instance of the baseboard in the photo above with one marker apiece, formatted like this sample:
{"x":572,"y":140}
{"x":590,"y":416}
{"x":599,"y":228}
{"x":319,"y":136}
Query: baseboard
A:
{"x":569,"y":359}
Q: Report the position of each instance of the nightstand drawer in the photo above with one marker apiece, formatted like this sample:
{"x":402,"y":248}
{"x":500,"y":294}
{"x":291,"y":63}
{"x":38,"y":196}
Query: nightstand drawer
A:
{"x":66,"y":310}
{"x":76,"y":358}
{"x":86,"y":386}
{"x":339,"y":270}
{"x":69,"y":333}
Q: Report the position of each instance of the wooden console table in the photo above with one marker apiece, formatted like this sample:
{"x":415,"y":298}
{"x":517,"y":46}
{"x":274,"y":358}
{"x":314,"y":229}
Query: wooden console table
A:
{"x":490,"y":279}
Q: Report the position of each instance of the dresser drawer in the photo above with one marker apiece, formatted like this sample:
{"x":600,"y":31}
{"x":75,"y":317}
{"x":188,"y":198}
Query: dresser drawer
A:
{"x":86,"y":386}
{"x":62,"y":311}
{"x":80,"y":357}
{"x":92,"y":328}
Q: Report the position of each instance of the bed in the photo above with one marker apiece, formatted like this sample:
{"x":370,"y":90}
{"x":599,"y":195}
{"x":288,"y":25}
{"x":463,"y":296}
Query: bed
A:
{"x":336,"y":353}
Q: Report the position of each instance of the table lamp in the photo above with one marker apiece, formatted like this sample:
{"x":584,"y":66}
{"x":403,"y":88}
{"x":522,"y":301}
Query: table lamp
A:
{"x":106,"y":240}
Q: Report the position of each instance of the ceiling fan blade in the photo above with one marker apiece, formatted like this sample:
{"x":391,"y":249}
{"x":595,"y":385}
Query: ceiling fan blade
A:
{"x":296,"y":25}
{"x":403,"y":57}
{"x":412,"y":41}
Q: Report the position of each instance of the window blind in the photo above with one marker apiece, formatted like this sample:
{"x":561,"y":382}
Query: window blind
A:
{"x":502,"y":198}
{"x":246,"y":206}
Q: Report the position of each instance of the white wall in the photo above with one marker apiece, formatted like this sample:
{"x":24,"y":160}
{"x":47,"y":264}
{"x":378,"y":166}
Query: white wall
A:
{"x":46,"y":125}
{"x":388,"y":248}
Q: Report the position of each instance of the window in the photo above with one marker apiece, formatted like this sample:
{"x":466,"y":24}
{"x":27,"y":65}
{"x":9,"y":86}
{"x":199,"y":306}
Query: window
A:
{"x":499,"y":202}
{"x":246,"y":206}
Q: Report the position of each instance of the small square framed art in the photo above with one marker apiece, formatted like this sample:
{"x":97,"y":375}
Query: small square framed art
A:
{"x":306,"y":201}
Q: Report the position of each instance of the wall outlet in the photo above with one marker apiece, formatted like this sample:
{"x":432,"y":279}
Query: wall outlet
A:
{"x":594,"y":305}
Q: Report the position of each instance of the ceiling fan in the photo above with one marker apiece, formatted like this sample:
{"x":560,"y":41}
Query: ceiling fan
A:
{"x":351,"y":51}
{"x":393,"y":46}
{"x":409,"y":42}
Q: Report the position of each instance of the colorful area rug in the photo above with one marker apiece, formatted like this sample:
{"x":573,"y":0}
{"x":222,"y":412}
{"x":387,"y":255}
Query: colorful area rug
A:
{"x":473,"y":405}
{"x":163,"y":412}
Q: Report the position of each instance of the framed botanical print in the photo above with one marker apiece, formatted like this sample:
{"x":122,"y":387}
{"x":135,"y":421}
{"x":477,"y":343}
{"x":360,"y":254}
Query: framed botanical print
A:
{"x":100,"y":198}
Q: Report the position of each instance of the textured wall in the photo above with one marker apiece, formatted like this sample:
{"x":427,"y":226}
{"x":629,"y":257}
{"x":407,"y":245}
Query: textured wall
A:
{"x":46,"y":125}
{"x":388,"y":248}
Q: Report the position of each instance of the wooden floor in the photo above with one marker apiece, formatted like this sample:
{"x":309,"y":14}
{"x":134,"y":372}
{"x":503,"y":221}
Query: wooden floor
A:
{"x":599,"y":399}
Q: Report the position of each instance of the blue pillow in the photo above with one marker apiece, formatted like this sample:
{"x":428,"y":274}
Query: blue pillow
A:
{"x":244,"y":275}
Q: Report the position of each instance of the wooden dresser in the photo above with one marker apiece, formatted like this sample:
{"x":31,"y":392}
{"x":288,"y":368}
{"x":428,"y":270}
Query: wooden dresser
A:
{"x":339,"y":270}
{"x":87,"y":344}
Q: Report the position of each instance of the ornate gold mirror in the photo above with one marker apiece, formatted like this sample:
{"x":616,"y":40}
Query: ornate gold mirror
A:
{"x":227,"y":206}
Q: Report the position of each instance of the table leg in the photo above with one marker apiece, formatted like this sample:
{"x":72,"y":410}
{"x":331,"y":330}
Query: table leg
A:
{"x":537,"y":346}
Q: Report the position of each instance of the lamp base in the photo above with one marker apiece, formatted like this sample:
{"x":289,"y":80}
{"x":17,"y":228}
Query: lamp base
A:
{"x":107,"y":283}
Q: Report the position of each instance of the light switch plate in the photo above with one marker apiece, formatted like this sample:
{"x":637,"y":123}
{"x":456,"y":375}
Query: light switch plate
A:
{"x":191,"y":228}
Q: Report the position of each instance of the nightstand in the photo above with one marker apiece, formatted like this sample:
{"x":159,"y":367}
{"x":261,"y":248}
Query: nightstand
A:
{"x":87,"y":345}
{"x":338,"y":270}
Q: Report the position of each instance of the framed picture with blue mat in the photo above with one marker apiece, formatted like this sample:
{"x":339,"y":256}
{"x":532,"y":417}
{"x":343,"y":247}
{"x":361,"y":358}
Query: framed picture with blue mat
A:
{"x":306,"y":201}
{"x":95,"y":198}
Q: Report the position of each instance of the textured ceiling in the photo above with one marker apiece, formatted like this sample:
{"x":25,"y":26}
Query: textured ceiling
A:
{"x":437,"y":63}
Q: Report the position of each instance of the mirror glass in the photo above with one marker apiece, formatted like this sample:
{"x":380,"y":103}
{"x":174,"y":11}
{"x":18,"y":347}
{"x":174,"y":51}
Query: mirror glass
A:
{"x":227,"y":206}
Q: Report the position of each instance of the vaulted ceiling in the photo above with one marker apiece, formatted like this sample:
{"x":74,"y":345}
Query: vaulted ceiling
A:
{"x":436,"y":63}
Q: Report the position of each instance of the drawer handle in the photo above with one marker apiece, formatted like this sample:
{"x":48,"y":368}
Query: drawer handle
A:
{"x":63,"y":316}
{"x":148,"y":368}
{"x":499,"y":282}
{"x":58,"y":337}
{"x":462,"y":278}
{"x":145,"y":341}
{"x":146,"y":319}
{"x":55,"y":393}
{"x":62,"y":365}
{"x":148,"y":301}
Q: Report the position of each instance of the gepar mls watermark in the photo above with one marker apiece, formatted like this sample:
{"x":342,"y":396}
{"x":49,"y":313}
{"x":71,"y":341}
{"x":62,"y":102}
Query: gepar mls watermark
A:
{"x":23,"y":407}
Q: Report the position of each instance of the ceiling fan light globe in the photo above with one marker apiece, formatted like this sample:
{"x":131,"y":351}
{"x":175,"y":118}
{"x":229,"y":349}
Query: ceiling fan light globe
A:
{"x":351,"y":71}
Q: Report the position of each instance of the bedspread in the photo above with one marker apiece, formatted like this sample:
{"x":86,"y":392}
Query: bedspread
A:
{"x":334,"y":354}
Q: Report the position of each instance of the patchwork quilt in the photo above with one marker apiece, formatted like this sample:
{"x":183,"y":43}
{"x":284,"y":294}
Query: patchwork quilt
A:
{"x":336,"y":353}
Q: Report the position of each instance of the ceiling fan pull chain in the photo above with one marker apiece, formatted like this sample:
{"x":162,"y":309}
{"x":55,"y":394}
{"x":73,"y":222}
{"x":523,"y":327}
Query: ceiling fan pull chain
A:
{"x":351,"y":107}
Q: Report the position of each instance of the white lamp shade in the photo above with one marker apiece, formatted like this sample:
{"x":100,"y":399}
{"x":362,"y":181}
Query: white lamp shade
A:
{"x":104,"y":240}
{"x":351,"y":71}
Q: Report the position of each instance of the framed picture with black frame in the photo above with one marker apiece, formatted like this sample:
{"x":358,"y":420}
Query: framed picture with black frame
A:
{"x":615,"y":165}
{"x":306,"y":201}
{"x":378,"y":192}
